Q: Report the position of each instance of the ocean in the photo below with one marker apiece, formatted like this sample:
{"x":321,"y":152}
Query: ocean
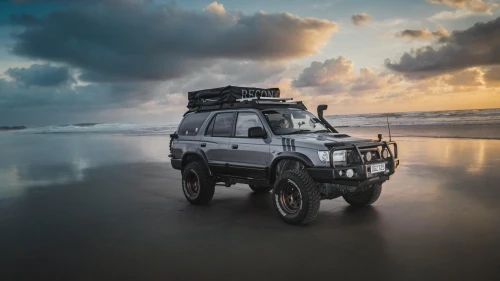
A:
{"x":477,"y":123}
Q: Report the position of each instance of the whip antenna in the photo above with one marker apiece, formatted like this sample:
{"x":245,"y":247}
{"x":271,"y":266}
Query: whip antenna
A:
{"x":389,"y":127}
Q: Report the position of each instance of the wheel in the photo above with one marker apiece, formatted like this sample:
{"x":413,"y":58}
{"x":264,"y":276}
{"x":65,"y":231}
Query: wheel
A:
{"x":197,"y":184}
{"x":364,"y":198}
{"x":260,"y":188}
{"x":296,"y":197}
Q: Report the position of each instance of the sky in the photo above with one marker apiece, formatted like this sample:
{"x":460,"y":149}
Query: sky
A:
{"x":74,"y":61}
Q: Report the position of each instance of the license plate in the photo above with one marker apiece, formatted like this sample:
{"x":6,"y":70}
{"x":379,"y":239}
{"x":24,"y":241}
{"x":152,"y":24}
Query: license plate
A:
{"x":377,"y":168}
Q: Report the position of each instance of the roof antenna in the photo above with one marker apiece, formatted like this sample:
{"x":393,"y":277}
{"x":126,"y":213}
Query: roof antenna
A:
{"x":389,"y":127}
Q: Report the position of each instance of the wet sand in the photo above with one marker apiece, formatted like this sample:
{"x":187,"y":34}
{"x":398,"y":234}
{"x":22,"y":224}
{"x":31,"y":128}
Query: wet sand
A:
{"x":126,"y":219}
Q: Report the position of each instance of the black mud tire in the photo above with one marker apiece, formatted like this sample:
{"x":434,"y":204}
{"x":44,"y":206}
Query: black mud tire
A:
{"x":260,"y":188}
{"x":364,"y":198}
{"x":202,"y":194}
{"x":309,"y":193}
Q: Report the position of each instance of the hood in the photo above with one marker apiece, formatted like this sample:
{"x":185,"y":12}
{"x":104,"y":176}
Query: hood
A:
{"x":318,"y":141}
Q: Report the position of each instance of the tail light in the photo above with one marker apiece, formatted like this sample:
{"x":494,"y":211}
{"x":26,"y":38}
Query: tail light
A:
{"x":172,"y":137}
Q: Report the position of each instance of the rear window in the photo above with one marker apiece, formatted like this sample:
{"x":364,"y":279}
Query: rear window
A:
{"x":192,"y":123}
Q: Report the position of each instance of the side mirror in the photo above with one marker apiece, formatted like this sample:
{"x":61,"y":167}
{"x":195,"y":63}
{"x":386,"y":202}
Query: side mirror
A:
{"x":321,"y":108}
{"x":256,"y":133}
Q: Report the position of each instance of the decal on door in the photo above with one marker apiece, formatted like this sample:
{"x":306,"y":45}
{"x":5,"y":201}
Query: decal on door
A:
{"x":288,"y":144}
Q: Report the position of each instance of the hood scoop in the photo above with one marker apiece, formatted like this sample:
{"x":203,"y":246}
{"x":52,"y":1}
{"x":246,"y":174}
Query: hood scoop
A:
{"x":336,"y":136}
{"x":340,"y":136}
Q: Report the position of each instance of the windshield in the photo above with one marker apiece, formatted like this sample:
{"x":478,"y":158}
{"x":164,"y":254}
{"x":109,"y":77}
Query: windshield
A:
{"x":293,"y":121}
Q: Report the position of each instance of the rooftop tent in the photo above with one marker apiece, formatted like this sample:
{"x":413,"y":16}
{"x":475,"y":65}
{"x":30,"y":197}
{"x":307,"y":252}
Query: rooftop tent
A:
{"x":229,"y":94}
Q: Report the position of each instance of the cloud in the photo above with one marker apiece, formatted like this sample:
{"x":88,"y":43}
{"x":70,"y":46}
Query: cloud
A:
{"x":142,"y":41}
{"x":337,"y":76}
{"x":67,"y":97}
{"x":321,"y":73}
{"x":492,"y":76}
{"x":477,"y":6}
{"x":216,"y":9}
{"x":64,"y":104}
{"x":466,"y":78}
{"x":477,"y":46}
{"x":451,"y":15}
{"x":360,"y":19}
{"x":24,"y":19}
{"x":423,"y":33}
{"x":44,"y":75}
{"x":30,"y":99}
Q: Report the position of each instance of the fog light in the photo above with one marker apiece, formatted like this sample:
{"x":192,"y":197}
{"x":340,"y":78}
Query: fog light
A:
{"x":349,"y":173}
{"x":340,"y":173}
{"x":385,"y":153}
{"x":368,"y":156}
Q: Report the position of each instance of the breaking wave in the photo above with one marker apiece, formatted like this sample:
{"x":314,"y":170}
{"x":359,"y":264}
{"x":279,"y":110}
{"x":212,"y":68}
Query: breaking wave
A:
{"x":104,"y":128}
{"x":452,"y":117}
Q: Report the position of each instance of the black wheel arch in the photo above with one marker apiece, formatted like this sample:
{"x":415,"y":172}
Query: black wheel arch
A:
{"x":294,"y":156}
{"x":196,"y":155}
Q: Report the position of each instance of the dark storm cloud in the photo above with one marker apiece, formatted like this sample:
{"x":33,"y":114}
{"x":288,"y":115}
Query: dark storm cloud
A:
{"x":69,"y":98}
{"x":360,"y":19}
{"x":136,"y":41}
{"x":43,"y":75}
{"x":20,"y":105}
{"x":476,"y":46}
{"x":423,"y":33}
{"x":492,"y":76}
{"x":24,"y":19}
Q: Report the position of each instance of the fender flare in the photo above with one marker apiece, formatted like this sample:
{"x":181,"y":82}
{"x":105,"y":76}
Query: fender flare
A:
{"x":287,"y":155}
{"x":198,"y":153}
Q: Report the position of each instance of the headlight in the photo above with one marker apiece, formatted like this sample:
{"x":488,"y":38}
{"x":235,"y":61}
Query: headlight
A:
{"x":324,"y":156}
{"x":339,"y":156}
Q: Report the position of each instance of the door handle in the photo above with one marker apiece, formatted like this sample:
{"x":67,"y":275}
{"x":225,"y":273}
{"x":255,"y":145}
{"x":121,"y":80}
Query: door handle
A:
{"x":203,"y":144}
{"x":234,"y":146}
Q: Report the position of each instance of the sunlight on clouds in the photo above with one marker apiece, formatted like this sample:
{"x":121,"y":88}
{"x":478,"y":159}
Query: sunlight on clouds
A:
{"x":464,"y":9}
{"x":215,"y":8}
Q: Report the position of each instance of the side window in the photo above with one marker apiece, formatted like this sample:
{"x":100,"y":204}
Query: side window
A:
{"x":245,"y":121}
{"x":221,"y":125}
{"x":210,"y":127}
{"x":192,"y":124}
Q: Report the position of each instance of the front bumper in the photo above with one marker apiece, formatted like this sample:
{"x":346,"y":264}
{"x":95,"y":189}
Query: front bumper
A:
{"x":362,"y":171}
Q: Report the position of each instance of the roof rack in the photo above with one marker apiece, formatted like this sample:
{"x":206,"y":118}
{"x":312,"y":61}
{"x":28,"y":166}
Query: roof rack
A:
{"x":264,"y":99}
{"x":262,"y":103}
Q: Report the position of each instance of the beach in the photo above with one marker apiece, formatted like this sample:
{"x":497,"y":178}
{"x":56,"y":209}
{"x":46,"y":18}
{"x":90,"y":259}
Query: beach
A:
{"x":110,"y":207}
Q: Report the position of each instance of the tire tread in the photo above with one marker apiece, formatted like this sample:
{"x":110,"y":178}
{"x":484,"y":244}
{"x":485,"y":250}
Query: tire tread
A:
{"x":311,"y":188}
{"x":207,"y":184}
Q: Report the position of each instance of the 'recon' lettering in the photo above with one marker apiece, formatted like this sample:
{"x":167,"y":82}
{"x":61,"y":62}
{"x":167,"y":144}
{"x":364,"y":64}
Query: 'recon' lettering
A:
{"x":257,"y":93}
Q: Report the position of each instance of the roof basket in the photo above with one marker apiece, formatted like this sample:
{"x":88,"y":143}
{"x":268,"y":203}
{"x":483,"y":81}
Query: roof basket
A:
{"x":228,"y":95}
{"x":232,"y":97}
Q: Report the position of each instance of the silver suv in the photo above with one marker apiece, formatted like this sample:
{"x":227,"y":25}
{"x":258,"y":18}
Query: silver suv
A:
{"x":275,"y":144}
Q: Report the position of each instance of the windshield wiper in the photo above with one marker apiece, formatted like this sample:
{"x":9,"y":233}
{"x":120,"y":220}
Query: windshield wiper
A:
{"x":298,"y":132}
{"x":322,"y":131}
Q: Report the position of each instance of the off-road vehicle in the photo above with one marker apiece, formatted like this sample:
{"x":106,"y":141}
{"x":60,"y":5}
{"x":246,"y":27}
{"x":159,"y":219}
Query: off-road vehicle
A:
{"x":252,"y":136}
